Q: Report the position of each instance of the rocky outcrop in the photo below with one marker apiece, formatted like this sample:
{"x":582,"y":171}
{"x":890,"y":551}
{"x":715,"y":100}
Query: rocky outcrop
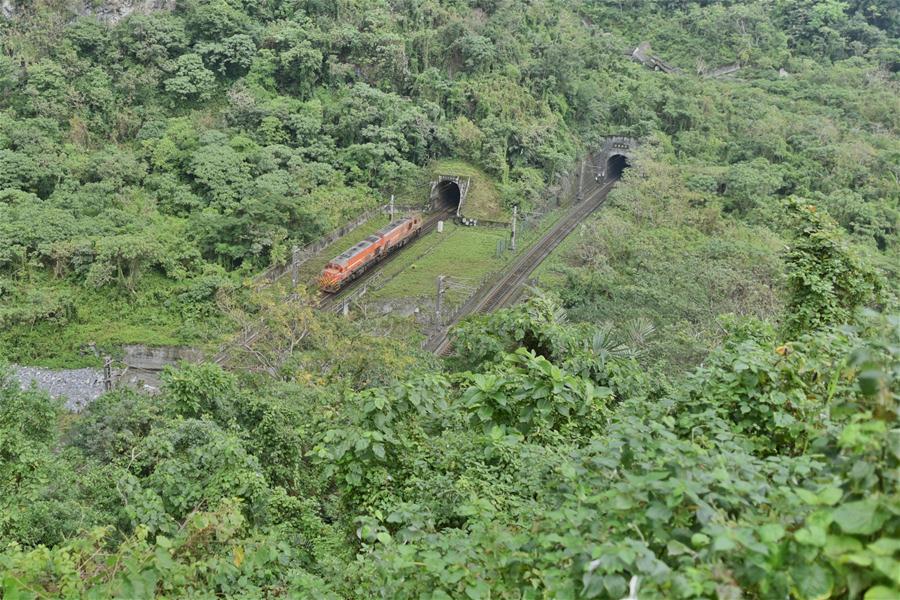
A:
{"x":156,"y":358}
{"x":78,"y":387}
{"x":7,"y":9}
{"x":143,"y":365}
{"x":644,"y":55}
{"x":109,"y":11}
{"x":113,"y":11}
{"x":720,"y":71}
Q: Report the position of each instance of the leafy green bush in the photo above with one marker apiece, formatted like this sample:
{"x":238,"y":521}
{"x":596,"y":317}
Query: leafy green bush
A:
{"x":146,"y":165}
{"x":529,"y":394}
{"x":828,"y":282}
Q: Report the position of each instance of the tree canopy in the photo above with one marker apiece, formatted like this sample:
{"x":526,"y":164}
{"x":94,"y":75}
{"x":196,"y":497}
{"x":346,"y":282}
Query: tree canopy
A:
{"x":699,"y":398}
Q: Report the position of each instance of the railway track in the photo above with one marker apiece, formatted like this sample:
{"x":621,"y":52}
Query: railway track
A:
{"x":509,"y":287}
{"x":331,"y":301}
{"x":502,"y":293}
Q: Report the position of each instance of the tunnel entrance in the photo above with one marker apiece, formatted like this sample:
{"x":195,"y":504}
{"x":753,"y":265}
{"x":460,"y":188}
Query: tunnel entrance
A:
{"x":448,"y":196}
{"x":615,"y":166}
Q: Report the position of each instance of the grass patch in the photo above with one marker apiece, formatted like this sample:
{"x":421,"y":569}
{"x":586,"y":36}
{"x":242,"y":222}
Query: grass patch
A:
{"x":464,"y":254}
{"x":483,"y":198}
{"x":549,"y":273}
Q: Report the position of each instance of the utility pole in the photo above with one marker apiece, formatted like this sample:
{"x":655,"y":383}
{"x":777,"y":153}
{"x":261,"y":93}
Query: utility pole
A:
{"x":392,"y":208}
{"x":579,"y":197}
{"x":107,"y":374}
{"x":295,"y":266}
{"x":440,"y":297}
{"x":512,"y":242}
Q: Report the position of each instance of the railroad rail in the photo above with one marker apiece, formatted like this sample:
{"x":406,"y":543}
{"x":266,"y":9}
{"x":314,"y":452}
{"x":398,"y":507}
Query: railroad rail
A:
{"x":509,"y":286}
{"x":333,"y":301}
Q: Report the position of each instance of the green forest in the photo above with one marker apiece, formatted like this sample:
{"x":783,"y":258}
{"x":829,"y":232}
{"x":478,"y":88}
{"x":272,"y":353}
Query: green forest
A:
{"x":698,"y":398}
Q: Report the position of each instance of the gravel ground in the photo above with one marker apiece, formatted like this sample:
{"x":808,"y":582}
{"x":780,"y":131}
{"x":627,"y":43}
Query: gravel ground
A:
{"x":77,"y":386}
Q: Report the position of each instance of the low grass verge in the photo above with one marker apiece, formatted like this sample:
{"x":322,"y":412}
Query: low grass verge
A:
{"x":463,"y":254}
{"x":466,"y":255}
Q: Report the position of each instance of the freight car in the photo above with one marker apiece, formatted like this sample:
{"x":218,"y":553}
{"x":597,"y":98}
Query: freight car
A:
{"x":354,"y":262}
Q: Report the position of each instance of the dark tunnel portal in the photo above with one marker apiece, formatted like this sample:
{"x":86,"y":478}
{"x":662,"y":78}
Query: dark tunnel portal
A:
{"x":615,"y":166}
{"x":448,"y":196}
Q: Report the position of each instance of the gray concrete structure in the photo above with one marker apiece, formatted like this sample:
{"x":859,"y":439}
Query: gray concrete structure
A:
{"x":616,"y":153}
{"x":644,"y":55}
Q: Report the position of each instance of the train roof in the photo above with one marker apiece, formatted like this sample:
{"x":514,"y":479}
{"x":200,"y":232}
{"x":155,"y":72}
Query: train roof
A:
{"x":392,"y":226}
{"x":342,"y":258}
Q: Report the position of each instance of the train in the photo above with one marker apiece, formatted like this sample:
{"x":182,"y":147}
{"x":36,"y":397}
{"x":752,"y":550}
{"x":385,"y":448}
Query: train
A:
{"x":352,"y":263}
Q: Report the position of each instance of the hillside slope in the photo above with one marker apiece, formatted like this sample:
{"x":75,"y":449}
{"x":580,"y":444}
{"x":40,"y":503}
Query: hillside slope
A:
{"x":702,"y":400}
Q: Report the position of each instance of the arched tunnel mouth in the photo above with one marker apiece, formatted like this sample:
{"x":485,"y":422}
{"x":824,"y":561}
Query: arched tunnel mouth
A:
{"x":616,"y":165}
{"x":448,"y":196}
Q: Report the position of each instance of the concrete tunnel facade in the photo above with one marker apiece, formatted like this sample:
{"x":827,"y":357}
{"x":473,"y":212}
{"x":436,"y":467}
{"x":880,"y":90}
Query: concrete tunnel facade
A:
{"x":614,"y":157}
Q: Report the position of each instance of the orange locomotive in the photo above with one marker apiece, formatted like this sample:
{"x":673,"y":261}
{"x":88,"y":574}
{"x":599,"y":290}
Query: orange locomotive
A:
{"x":351,"y":264}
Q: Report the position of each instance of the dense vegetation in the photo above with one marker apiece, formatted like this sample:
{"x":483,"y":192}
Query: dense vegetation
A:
{"x":142,"y":164}
{"x":705,"y":399}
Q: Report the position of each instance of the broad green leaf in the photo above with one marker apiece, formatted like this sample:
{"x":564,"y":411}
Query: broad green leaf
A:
{"x":11,"y":589}
{"x":378,"y":450}
{"x":771,"y":532}
{"x":723,"y":543}
{"x":836,"y":545}
{"x":615,"y":586}
{"x":862,"y":517}
{"x":384,"y":537}
{"x":830,"y":496}
{"x":857,"y":558}
{"x":699,"y":540}
{"x":676,"y":548}
{"x":811,"y":536}
{"x":813,"y":582}
{"x":889,"y":567}
{"x":620,"y":502}
{"x":478,"y":590}
{"x":885,"y":546}
{"x":568,"y":470}
{"x":880,"y":592}
{"x":807,"y":496}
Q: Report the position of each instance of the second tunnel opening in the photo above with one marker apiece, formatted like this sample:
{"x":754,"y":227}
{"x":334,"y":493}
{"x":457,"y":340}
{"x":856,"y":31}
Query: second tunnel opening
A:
{"x":615,"y":166}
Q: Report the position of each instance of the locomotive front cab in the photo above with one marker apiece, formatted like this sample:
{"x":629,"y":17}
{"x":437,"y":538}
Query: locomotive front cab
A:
{"x":331,"y":278}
